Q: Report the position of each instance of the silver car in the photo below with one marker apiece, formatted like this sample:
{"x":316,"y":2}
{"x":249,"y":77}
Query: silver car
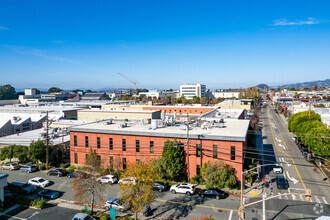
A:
{"x":10,"y":166}
{"x":117,"y":204}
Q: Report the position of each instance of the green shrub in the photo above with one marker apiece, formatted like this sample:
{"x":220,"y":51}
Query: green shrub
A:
{"x":70,"y":170}
{"x":33,"y":203}
{"x":101,"y":170}
{"x":42,"y":166}
{"x":79,"y":168}
{"x":104,"y":217}
{"x":41,"y":204}
{"x":72,"y":167}
{"x":209,"y":185}
{"x":196,"y":180}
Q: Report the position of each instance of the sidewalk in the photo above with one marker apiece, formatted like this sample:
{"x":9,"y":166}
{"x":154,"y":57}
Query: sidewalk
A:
{"x":253,"y":191}
{"x":72,"y":205}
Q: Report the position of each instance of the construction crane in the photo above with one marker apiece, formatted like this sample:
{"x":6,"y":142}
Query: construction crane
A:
{"x":134,"y":82}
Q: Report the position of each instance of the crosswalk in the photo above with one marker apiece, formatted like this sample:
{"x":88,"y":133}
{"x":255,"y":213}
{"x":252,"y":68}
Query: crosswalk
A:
{"x":315,"y":199}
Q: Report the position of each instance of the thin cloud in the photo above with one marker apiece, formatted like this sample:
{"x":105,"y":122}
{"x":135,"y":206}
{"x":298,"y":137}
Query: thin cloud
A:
{"x":38,"y":53}
{"x":3,"y":28}
{"x":286,"y":22}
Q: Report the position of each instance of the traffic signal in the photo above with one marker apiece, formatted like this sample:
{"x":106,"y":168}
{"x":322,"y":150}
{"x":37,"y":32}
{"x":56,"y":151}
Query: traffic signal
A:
{"x":308,"y":195}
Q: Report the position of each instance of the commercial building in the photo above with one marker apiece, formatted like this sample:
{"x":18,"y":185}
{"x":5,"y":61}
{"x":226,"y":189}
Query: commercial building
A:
{"x":95,"y":96}
{"x":236,"y":104}
{"x":158,"y":94}
{"x":98,"y":115}
{"x":225,"y":95}
{"x":118,"y":142}
{"x":191,"y":90}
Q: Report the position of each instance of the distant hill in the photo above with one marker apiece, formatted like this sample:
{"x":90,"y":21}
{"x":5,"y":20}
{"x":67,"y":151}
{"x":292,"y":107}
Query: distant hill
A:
{"x":262,"y":86}
{"x":319,"y":83}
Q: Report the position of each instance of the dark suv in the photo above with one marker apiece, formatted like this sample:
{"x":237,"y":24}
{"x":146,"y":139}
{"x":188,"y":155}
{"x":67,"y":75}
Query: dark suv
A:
{"x":21,"y":187}
{"x":159,"y":186}
{"x":57,"y":172}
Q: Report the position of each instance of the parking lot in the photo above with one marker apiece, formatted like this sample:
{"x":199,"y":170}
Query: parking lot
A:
{"x":166,"y":204}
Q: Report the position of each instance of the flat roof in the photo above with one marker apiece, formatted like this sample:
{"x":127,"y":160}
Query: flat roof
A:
{"x":25,"y":138}
{"x":233,"y":131}
{"x":118,"y":111}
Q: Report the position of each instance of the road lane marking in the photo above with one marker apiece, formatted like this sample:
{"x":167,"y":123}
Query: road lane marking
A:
{"x":203,"y":206}
{"x":230,"y":215}
{"x":324,"y":200}
{"x":280,"y":195}
{"x":293,"y":197}
{"x":301,"y":198}
{"x":317,"y":200}
{"x":291,"y":178}
{"x":243,"y":200}
{"x":294,"y":164}
{"x":15,"y":217}
{"x":289,"y":165}
{"x":281,"y":145}
{"x":278,"y":140}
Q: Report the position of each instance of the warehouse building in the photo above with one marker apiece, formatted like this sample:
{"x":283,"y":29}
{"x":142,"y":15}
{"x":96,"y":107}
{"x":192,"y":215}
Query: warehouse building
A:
{"x":121,"y":142}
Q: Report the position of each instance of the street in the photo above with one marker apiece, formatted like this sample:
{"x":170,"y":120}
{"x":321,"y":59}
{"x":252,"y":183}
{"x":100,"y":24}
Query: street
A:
{"x":279,"y":147}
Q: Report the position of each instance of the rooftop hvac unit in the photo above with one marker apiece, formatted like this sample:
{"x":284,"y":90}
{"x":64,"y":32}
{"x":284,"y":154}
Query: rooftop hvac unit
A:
{"x":154,"y":124}
{"x":109,"y":122}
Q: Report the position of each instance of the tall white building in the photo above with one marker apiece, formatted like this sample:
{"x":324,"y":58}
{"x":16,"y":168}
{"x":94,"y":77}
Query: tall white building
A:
{"x":191,"y":90}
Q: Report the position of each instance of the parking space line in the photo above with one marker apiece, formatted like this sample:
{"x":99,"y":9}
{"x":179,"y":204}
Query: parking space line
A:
{"x":293,"y":197}
{"x":325,"y":201}
{"x":15,"y":217}
{"x":301,"y":198}
{"x":230,"y":215}
{"x":317,"y":200}
{"x":203,"y":206}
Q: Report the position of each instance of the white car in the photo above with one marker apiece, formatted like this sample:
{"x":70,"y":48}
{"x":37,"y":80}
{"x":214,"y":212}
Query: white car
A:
{"x":39,"y":181}
{"x":277,"y":168}
{"x":185,"y":188}
{"x":107,"y":179}
{"x":128,"y":180}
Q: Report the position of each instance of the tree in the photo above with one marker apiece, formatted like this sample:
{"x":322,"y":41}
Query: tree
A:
{"x":7,"y":153}
{"x":219,"y":174}
{"x":88,"y":190}
{"x":171,"y":165}
{"x":196,"y":100}
{"x":20,"y":152}
{"x":174,"y":100}
{"x":7,"y":92}
{"x":140,"y":194}
{"x":204,"y":101}
{"x":300,"y":117}
{"x":54,"y":89}
{"x":144,"y":99}
{"x":37,"y":151}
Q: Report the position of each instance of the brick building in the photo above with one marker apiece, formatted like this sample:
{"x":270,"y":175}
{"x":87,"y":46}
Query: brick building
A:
{"x":120,"y":143}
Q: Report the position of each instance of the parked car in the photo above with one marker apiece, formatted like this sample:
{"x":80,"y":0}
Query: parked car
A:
{"x":82,"y":216}
{"x":107,"y":179}
{"x":57,"y":172}
{"x":215,"y":193}
{"x":29,"y":168}
{"x":117,"y":204}
{"x":10,"y":166}
{"x":186,"y":188}
{"x":281,"y":182}
{"x":21,"y":187}
{"x":39,"y":181}
{"x":309,"y":157}
{"x":128,"y":180}
{"x":277,"y":168}
{"x":159,"y":186}
{"x":48,"y":194}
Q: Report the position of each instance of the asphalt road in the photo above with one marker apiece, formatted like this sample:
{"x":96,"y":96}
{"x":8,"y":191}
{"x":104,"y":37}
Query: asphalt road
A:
{"x":53,"y":213}
{"x":279,"y":147}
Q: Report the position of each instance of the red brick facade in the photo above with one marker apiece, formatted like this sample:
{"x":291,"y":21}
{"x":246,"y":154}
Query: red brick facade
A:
{"x":78,"y":150}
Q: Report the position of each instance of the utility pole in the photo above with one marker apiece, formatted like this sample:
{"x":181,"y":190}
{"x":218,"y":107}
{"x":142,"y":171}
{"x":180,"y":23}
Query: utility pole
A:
{"x":188,"y":172}
{"x":47,"y":140}
{"x":241,"y":208}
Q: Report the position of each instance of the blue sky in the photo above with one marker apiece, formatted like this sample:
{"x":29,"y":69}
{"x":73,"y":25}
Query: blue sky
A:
{"x":161,"y":44}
